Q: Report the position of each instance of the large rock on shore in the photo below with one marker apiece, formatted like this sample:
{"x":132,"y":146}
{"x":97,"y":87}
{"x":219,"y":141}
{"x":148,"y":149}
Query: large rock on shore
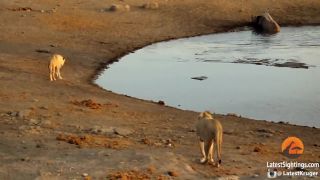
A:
{"x":265,"y":24}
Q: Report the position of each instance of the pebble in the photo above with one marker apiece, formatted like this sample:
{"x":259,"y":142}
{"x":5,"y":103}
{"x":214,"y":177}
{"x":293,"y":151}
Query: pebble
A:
{"x":25,"y":159}
{"x":173,"y":173}
{"x":34,"y":122}
{"x":44,"y":107}
{"x":257,"y":149}
{"x":123,"y":131}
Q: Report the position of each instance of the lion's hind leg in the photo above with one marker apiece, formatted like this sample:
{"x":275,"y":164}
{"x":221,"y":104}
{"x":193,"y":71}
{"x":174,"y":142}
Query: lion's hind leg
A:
{"x":203,"y":153}
{"x":211,"y":152}
{"x":58,"y":73}
{"x":52,"y":73}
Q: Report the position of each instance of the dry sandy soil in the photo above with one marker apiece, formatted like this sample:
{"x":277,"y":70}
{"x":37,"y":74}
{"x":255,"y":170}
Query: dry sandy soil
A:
{"x":63,"y":129}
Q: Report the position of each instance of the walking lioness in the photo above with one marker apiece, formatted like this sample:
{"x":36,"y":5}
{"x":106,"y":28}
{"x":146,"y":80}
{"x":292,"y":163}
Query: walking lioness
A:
{"x":210,"y":132}
{"x":55,"y":64}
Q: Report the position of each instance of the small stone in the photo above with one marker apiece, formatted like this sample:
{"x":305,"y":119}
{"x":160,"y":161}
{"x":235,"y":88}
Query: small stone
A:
{"x":123,"y":131}
{"x":42,"y":11}
{"x":173,"y":173}
{"x":238,"y":147}
{"x":119,"y":7}
{"x":34,"y":122}
{"x":25,"y":159}
{"x":85,"y":174}
{"x":257,"y":149}
{"x":44,"y":107}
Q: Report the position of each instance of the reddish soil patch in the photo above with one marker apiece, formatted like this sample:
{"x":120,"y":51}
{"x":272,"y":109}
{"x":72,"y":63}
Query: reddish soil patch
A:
{"x":90,"y":141}
{"x":135,"y":175}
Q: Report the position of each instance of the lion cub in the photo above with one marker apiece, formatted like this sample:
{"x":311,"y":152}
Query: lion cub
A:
{"x":209,"y":131}
{"x":55,"y":64}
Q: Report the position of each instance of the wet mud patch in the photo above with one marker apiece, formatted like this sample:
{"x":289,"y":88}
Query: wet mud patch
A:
{"x":291,"y":63}
{"x":94,"y":141}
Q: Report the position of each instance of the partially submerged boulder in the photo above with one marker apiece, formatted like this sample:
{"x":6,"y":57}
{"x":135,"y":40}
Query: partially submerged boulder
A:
{"x":265,"y":24}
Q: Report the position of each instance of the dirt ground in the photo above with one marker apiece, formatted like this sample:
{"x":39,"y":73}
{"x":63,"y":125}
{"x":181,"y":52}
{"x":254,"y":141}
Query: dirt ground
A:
{"x":72,"y":129}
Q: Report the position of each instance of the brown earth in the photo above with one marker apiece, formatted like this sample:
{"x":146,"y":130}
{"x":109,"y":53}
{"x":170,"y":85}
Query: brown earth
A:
{"x":34,"y":111}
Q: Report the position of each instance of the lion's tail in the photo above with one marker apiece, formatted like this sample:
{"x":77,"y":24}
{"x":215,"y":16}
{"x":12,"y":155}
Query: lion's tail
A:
{"x":219,"y":143}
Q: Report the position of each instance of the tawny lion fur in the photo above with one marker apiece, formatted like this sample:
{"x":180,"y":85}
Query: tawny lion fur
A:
{"x":210,"y":133}
{"x":55,"y":64}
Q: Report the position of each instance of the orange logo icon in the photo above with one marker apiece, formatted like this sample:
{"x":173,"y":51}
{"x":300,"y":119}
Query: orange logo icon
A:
{"x":292,"y":147}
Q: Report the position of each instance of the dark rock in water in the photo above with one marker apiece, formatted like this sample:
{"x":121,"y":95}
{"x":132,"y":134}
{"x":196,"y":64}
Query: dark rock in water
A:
{"x":265,"y":24}
{"x":292,"y":65}
{"x":200,"y":78}
{"x":161,"y":103}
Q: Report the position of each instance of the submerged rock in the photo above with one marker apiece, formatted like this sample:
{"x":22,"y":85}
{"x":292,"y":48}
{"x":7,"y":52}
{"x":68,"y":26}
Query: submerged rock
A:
{"x":265,"y":24}
{"x":200,"y":78}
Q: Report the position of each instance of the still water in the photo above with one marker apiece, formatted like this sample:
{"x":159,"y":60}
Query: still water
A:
{"x":241,"y":70}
